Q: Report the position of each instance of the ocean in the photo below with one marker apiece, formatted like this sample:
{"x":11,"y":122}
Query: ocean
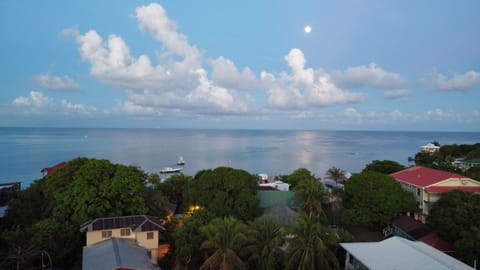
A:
{"x":25,"y":151}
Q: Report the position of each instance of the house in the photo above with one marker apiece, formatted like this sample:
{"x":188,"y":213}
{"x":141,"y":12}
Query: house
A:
{"x":117,"y":254}
{"x":466,"y":164}
{"x":397,"y":253}
{"x":429,"y":148}
{"x":146,"y":231}
{"x":411,"y":229}
{"x":279,"y":185}
{"x":428,"y":184}
{"x":48,"y":170}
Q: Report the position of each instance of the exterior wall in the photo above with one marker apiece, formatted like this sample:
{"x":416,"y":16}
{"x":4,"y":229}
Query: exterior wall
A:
{"x":94,"y":237}
{"x":142,"y":240}
{"x":458,"y":182}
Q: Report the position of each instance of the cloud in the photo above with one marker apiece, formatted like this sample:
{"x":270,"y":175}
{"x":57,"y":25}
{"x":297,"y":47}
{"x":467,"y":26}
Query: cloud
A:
{"x":69,"y":107}
{"x":37,"y":102}
{"x":178,"y":82}
{"x":397,"y":94}
{"x":459,"y":82}
{"x":55,"y":83}
{"x":226,"y":74}
{"x":304,"y":87}
{"x":368,"y":76}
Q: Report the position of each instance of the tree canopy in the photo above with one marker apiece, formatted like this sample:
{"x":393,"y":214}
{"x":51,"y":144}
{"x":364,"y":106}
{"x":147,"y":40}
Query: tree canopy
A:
{"x":224,"y":192}
{"x":373,"y":199}
{"x":49,"y":212}
{"x":384,"y":166}
{"x":456,"y":217}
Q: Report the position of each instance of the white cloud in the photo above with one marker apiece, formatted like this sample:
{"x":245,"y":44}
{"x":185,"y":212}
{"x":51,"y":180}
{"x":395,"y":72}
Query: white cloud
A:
{"x":69,"y":107}
{"x":396,"y":94}
{"x":131,"y":108}
{"x":178,"y":82}
{"x":304,"y":87}
{"x":35,"y":100}
{"x":226,"y":74}
{"x":368,"y":76}
{"x":352,"y":114}
{"x":55,"y":83}
{"x":459,"y":82}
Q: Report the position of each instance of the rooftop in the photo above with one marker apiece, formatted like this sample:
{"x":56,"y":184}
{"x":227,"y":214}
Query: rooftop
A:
{"x":116,"y":254}
{"x":136,"y":223}
{"x":401,"y":254}
{"x":424,"y":177}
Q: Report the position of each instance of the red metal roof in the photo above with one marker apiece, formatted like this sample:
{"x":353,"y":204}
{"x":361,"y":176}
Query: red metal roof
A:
{"x":437,"y":242}
{"x":435,"y":189}
{"x":53,"y":168}
{"x":424,"y":177}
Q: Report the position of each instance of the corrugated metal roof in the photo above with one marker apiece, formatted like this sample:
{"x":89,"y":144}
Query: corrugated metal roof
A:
{"x":114,"y":254}
{"x":401,"y":254}
{"x":424,"y":177}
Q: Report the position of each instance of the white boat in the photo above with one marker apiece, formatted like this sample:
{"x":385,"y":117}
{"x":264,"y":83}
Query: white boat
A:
{"x":181,"y":161}
{"x":170,"y":170}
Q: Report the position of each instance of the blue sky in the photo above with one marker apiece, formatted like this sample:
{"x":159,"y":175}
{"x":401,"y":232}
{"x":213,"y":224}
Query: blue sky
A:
{"x":366,"y":65}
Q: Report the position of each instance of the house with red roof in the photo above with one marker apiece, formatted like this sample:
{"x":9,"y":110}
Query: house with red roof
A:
{"x":48,"y":170}
{"x":429,"y":184}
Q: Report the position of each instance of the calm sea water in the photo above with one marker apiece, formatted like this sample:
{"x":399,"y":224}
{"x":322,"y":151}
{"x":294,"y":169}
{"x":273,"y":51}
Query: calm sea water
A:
{"x":25,"y":151}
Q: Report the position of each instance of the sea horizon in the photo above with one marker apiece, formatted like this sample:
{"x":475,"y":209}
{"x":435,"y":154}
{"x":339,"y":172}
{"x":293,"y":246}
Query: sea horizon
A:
{"x":24,"y":151}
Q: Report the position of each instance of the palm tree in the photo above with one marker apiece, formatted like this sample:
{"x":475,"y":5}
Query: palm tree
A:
{"x":310,"y":194}
{"x":225,"y":239}
{"x":309,"y":246}
{"x":265,"y":249}
{"x":336,"y":174}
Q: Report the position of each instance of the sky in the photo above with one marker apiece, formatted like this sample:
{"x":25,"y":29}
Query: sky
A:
{"x":365,"y":65}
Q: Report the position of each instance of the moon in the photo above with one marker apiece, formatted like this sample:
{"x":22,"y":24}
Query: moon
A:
{"x":307,"y":29}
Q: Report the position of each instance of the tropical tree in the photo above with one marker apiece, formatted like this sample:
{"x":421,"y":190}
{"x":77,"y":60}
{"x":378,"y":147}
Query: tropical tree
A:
{"x":384,"y":166}
{"x":266,"y":252}
{"x":310,"y":194}
{"x":336,"y":174}
{"x":455,"y":216}
{"x":297,"y":176}
{"x":308,"y":248}
{"x":373,"y":199}
{"x":224,"y":192}
{"x":225,"y":238}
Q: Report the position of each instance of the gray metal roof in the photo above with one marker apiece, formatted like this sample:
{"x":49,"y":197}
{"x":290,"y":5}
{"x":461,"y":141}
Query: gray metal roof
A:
{"x":116,"y":253}
{"x":401,"y":254}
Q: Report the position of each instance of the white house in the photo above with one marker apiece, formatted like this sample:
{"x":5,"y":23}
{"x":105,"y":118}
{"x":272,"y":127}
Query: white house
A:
{"x":279,"y":185}
{"x":429,"y":148}
{"x":399,"y":254}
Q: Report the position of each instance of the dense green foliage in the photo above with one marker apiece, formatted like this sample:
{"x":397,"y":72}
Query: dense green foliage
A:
{"x":297,"y":176}
{"x":384,"y":166}
{"x":373,"y":199}
{"x":226,"y":238}
{"x":456,"y":217}
{"x":224,"y":192}
{"x":336,"y":174}
{"x":311,"y":245}
{"x":47,"y":215}
{"x":443,"y":159}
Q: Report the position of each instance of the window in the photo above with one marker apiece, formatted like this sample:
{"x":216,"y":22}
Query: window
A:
{"x":418,"y":192}
{"x":150,"y":235}
{"x":106,"y":234}
{"x":124,"y":232}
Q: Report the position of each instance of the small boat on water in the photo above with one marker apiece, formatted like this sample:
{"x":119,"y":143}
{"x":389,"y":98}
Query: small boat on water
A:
{"x":181,"y":161}
{"x":170,"y":170}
